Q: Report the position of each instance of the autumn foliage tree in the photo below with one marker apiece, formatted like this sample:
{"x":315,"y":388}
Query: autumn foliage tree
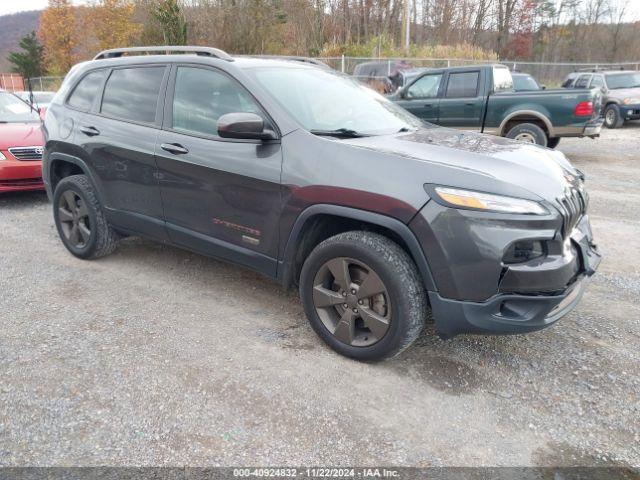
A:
{"x":111,"y":24}
{"x":59,"y":35}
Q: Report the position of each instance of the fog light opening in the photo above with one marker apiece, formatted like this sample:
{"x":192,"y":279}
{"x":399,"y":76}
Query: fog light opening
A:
{"x":524,"y":251}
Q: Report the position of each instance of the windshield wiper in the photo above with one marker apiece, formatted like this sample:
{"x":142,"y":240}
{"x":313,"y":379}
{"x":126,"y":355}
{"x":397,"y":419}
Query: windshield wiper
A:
{"x":339,"y":132}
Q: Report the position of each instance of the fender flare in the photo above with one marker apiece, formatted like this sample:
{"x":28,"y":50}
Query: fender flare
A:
{"x":64,"y":157}
{"x":286,"y":265}
{"x":532,"y":113}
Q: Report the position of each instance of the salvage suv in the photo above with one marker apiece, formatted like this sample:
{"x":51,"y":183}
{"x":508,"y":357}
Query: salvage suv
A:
{"x":304,"y":175}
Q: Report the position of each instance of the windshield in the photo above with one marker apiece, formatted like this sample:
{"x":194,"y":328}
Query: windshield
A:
{"x":14,"y":110}
{"x":623,"y":80}
{"x":523,"y":83}
{"x":322,"y":100}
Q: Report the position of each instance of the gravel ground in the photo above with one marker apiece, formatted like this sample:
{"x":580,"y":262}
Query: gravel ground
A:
{"x":156,"y":356}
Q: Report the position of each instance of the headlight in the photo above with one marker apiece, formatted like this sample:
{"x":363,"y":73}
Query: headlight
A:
{"x":2,"y":157}
{"x":488,"y":202}
{"x":631,"y":101}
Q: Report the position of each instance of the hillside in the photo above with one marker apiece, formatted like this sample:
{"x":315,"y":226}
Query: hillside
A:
{"x":12,"y":29}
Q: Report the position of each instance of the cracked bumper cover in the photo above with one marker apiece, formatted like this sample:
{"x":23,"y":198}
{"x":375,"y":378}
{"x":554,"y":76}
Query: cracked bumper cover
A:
{"x":479,"y":294}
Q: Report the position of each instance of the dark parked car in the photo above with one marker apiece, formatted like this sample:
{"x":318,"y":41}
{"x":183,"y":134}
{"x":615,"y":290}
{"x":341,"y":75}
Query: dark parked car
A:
{"x":482,"y":98}
{"x":383,"y":76}
{"x":523,"y":82}
{"x":621,"y":93}
{"x":309,"y":177}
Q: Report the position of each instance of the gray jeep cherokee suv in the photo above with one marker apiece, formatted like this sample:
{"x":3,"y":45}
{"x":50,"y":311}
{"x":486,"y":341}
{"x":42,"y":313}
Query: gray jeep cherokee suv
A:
{"x":308,"y":177}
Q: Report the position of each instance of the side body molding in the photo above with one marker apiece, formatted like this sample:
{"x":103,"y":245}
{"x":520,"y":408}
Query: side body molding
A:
{"x":286,"y":264}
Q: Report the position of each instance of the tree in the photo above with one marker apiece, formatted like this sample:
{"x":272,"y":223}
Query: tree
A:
{"x":112,"y":23}
{"x":172,"y":22}
{"x":30,"y":62}
{"x":59,"y":36}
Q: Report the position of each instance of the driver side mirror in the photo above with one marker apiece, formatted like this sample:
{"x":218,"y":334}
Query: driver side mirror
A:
{"x":246,"y":126}
{"x":543,"y":87}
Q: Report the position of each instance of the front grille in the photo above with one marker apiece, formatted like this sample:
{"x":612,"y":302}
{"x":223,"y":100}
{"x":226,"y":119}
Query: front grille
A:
{"x":26,"y":153}
{"x":573,"y":206}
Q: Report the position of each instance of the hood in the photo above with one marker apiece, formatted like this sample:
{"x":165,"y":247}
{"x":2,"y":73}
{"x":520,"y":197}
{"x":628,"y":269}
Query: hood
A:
{"x":622,"y":93}
{"x":496,"y":163}
{"x":20,"y":135}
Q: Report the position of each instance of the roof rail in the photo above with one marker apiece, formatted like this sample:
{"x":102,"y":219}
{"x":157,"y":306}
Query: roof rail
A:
{"x":167,"y":50}
{"x":293,"y":58}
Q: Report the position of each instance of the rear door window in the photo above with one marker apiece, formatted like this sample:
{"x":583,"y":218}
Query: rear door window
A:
{"x":463,"y":84}
{"x":583,"y":81}
{"x":132,"y":93}
{"x":87,"y":90}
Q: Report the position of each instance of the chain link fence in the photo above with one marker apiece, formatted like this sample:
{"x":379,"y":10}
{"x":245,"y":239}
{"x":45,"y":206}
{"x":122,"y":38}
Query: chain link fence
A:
{"x":44,"y":84}
{"x":550,"y":74}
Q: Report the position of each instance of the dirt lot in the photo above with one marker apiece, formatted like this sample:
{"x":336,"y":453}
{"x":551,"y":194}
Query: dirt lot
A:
{"x":156,"y":356}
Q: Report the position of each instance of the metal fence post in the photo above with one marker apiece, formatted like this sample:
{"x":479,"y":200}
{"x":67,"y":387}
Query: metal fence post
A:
{"x":342,"y":63}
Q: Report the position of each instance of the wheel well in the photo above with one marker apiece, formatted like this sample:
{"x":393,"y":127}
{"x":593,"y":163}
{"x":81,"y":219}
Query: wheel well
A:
{"x":525,"y":119}
{"x":61,"y":169}
{"x":320,"y":227}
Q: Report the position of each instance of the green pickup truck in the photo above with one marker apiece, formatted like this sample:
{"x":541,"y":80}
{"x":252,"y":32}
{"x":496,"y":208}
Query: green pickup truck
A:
{"x":482,"y":98}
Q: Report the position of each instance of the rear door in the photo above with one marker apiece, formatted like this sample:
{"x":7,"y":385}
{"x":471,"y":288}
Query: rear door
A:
{"x":221,"y":196}
{"x":422,"y":97}
{"x":462,"y":104}
{"x":119,"y":137}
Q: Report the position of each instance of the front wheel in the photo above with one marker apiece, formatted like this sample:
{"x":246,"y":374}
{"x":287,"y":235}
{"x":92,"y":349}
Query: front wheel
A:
{"x":553,"y":142}
{"x":528,"y":133}
{"x":363,"y":295}
{"x":612,"y":117}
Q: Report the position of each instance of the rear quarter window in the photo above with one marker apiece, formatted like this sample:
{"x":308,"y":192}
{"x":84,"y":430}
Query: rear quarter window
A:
{"x":87,"y":89}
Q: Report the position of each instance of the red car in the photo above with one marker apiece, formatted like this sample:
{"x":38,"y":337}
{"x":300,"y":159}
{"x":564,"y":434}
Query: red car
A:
{"x":21,"y":145}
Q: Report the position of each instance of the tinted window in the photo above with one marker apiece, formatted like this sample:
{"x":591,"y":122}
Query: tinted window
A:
{"x":583,"y":81}
{"x":86,"y":91}
{"x":463,"y":84}
{"x":425,"y":87}
{"x":597,"y":81}
{"x":568,"y":82}
{"x":202,"y":96}
{"x":132,"y":94}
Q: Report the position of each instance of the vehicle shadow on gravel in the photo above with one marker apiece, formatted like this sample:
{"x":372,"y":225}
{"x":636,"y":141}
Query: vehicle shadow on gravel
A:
{"x":22,"y":199}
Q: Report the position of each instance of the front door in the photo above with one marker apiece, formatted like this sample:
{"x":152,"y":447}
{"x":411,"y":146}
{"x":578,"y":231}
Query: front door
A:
{"x":462,"y":104}
{"x":421,"y":97}
{"x":221,"y":197}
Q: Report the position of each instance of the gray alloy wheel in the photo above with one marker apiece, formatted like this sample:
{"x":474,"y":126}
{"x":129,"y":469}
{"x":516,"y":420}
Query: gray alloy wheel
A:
{"x":363,"y":295}
{"x":79,"y":218}
{"x":352,"y":302}
{"x":74,"y":219}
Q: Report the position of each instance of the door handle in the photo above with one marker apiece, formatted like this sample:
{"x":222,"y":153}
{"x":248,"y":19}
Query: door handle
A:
{"x":90,"y":131}
{"x":428,"y":105}
{"x":470,"y":103}
{"x":174,"y":148}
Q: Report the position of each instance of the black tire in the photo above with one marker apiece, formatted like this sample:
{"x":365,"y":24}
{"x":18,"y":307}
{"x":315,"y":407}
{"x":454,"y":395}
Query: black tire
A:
{"x":101,"y":239}
{"x":406,"y":303}
{"x":553,"y":142}
{"x":528,"y":132}
{"x":612,"y":117}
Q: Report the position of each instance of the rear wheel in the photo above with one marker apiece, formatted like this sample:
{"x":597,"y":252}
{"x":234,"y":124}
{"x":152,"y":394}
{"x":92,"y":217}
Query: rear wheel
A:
{"x":79,"y":219}
{"x":612,"y":117}
{"x":363,"y":296}
{"x":528,"y":133}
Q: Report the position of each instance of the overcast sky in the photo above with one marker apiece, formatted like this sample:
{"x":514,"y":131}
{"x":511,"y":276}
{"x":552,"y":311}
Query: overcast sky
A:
{"x":9,"y":6}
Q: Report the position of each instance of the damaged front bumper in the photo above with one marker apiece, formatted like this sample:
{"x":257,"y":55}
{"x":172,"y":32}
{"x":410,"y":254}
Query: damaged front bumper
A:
{"x":479,"y":293}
